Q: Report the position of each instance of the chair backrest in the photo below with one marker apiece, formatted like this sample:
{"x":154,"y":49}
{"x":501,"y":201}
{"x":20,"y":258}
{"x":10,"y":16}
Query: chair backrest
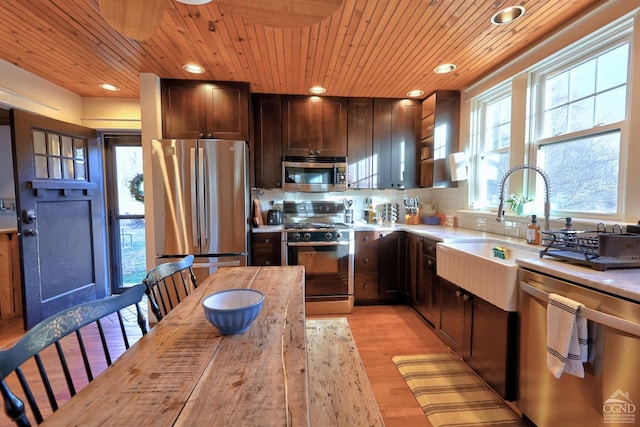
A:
{"x":168,"y":284}
{"x":36,"y":350}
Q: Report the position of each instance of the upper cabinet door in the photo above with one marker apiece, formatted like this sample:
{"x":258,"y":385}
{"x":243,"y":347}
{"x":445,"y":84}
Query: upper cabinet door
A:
{"x":396,"y":129}
{"x":360,"y":142}
{"x":227,"y":107}
{"x":183,"y":109}
{"x":331,"y":125}
{"x":297,"y":132}
{"x":196,"y":109}
{"x":314,"y":126}
{"x":267,"y":120}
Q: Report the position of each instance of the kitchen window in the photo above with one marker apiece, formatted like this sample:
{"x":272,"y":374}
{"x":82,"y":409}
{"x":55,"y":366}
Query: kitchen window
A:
{"x":492,"y":136}
{"x":581,"y":116}
{"x":568,"y":115}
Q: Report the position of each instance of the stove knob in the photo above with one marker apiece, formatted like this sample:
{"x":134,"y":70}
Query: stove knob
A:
{"x":338,"y":236}
{"x":296,"y":236}
{"x":307,"y":236}
{"x":328,"y":236}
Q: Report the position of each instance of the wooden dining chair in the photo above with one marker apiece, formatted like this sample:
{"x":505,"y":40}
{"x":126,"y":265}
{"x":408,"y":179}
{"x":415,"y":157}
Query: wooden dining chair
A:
{"x":32,"y":362}
{"x":168,"y":284}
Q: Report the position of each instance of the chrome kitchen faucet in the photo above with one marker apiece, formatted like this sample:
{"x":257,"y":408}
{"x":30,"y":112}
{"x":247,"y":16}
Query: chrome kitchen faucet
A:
{"x":547,"y":204}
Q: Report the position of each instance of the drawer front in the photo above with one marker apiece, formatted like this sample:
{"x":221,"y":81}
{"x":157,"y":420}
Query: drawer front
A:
{"x":367,"y":238}
{"x":265,"y":249}
{"x":366,"y":286}
{"x":265,"y":239}
{"x":366,"y":259}
{"x":265,"y":259}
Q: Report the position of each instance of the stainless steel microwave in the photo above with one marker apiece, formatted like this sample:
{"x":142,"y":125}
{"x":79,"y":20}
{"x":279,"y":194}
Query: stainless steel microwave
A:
{"x":314,"y":175}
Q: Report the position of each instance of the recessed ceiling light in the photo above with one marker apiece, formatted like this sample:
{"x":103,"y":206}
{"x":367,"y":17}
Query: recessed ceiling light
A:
{"x":415,"y":93}
{"x":507,"y":15}
{"x":444,"y":68}
{"x":193,"y":68}
{"x":196,"y":2}
{"x":317,"y":90}
{"x":107,"y":86}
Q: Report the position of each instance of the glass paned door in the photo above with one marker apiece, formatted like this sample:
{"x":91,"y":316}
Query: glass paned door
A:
{"x":126,"y":211}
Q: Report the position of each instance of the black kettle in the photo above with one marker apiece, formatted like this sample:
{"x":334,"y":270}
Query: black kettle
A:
{"x":274,"y":217}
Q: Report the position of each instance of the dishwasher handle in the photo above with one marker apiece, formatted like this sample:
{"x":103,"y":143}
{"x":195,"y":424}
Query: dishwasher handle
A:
{"x":596,"y":316}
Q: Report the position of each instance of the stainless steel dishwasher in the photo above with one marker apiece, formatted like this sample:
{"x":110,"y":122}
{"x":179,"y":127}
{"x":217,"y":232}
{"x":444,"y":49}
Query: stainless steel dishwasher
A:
{"x":609,"y":393}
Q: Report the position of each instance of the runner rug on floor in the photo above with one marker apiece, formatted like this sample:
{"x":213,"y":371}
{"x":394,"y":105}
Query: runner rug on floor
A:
{"x":451,"y":394}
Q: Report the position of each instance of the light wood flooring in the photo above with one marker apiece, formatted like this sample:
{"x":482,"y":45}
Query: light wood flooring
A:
{"x":380,"y":332}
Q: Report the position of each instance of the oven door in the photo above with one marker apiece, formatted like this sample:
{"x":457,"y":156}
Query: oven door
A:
{"x":328,"y":268}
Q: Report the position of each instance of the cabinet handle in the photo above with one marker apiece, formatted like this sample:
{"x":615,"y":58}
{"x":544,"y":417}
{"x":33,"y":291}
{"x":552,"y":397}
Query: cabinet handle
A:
{"x":458,"y":294}
{"x":200,"y":135}
{"x":267,"y":240}
{"x":366,"y":238}
{"x":267,"y":263}
{"x":366,"y":285}
{"x":366,"y":261}
{"x":311,"y":152}
{"x":317,"y":151}
{"x":465,"y":297}
{"x":209,"y":135}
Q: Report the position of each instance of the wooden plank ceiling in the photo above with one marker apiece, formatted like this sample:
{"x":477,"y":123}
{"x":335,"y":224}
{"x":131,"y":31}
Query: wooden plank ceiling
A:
{"x":366,"y":48}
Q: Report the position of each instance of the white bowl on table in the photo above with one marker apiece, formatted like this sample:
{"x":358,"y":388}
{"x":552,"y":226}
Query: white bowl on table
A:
{"x":233,"y":311}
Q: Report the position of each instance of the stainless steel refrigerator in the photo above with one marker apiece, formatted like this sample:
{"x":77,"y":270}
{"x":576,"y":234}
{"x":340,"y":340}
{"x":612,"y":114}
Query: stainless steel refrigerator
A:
{"x":201,"y":201}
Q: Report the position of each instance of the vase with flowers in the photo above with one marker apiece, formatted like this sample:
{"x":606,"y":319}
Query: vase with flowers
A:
{"x":517,"y":201}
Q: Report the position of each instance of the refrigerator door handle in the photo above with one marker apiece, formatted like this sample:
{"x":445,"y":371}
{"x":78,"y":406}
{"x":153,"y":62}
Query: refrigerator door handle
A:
{"x":194,"y":213}
{"x":202,"y":191}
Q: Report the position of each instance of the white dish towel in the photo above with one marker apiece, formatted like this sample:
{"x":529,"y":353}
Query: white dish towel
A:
{"x":567,"y":336}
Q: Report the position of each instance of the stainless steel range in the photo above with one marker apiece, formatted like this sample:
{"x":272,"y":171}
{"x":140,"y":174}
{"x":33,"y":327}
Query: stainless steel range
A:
{"x":316,"y":237}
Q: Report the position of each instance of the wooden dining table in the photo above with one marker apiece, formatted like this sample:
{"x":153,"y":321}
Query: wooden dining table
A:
{"x":185,"y":373}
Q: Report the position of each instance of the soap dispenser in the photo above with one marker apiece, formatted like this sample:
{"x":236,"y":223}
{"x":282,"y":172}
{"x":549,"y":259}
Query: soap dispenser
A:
{"x":533,"y":231}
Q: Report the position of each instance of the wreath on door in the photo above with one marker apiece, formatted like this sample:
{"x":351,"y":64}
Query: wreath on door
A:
{"x":136,"y":188}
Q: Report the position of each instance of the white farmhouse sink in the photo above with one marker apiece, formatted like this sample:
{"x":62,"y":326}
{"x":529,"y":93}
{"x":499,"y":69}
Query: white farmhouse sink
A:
{"x":473,"y":266}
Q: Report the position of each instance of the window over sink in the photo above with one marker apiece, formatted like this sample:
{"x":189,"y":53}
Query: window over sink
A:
{"x":570,"y":118}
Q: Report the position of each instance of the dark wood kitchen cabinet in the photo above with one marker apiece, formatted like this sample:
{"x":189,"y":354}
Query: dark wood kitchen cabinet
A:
{"x":366,"y":267}
{"x":396,"y":134}
{"x":428,"y":279}
{"x":314,"y":126}
{"x":423,"y":290}
{"x":482,"y":334}
{"x":360,"y":142}
{"x":265,"y":249}
{"x":392,"y":267}
{"x":453,"y":302}
{"x":440,"y":122}
{"x":202,"y":109}
{"x":492,"y":346}
{"x":267,"y":115}
{"x":410,"y":291}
